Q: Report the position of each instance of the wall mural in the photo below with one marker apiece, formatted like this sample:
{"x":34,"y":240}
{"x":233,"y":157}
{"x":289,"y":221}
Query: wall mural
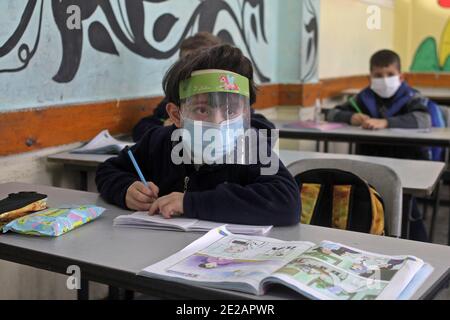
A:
{"x":310,"y":41}
{"x":431,"y":58}
{"x":121,"y":49}
{"x":444,"y":3}
{"x":128,"y":28}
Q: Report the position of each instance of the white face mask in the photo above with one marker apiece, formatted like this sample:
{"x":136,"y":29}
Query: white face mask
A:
{"x":386,"y":87}
{"x":195,"y":140}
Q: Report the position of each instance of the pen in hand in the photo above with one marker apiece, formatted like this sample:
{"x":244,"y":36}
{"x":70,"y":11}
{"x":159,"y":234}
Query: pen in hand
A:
{"x":140,"y":196}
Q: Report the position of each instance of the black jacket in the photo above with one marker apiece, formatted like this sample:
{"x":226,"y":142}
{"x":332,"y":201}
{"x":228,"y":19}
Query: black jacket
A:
{"x":223,"y":193}
{"x":160,"y":115}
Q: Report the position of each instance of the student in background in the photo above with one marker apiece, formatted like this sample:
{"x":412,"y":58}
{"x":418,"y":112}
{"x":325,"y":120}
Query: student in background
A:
{"x":160,"y":117}
{"x":201,"y":40}
{"x":389,"y":102}
{"x":228,"y":193}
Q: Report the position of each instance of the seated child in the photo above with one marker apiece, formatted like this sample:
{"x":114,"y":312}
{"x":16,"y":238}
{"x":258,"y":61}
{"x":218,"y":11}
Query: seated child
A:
{"x":389,"y":102}
{"x":199,"y":41}
{"x":214,"y":89}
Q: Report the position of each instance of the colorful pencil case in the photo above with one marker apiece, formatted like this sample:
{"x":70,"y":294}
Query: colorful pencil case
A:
{"x":54,"y":222}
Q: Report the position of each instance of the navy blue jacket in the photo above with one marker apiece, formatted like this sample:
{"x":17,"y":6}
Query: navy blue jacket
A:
{"x":223,"y":193}
{"x":406,"y":109}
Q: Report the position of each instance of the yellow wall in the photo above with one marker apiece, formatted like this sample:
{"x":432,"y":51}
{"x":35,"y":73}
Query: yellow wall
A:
{"x":346,"y":44}
{"x":415,"y":20}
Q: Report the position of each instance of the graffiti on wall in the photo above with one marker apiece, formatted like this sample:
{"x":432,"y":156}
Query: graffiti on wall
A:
{"x":431,"y":57}
{"x":126,"y":24}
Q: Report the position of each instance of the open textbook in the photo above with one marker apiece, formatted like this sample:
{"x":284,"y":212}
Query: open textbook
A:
{"x":103,"y":143}
{"x":326,"y":270}
{"x":142,"y":219}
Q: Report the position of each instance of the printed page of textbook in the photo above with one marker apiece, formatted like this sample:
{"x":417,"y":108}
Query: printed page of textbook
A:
{"x":224,"y":260}
{"x":102,"y":142}
{"x":339,"y":272}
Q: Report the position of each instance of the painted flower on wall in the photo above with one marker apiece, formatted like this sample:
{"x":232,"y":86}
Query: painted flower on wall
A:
{"x":444,"y":3}
{"x":431,"y":58}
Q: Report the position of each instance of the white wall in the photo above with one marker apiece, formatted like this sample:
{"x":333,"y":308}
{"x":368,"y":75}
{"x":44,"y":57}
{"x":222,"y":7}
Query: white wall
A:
{"x":345,"y":42}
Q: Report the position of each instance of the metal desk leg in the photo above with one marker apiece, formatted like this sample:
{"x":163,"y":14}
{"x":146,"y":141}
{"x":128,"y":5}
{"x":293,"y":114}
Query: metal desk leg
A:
{"x":113,"y":293}
{"x":405,"y":218}
{"x":317,"y":146}
{"x":83,"y":181}
{"x":448,"y":233}
{"x":129,"y":295}
{"x":83,"y":292}
{"x":435,"y":211}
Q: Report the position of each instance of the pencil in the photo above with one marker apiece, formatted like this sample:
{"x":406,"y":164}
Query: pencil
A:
{"x":354,"y":105}
{"x":138,"y":170}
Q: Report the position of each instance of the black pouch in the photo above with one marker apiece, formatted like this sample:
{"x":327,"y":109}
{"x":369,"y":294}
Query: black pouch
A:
{"x":20,"y":204}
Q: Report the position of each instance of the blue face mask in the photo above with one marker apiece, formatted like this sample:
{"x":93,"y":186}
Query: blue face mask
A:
{"x":209,"y":142}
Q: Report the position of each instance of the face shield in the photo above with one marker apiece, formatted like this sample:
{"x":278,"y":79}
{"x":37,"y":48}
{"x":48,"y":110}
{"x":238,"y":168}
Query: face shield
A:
{"x":215,"y":114}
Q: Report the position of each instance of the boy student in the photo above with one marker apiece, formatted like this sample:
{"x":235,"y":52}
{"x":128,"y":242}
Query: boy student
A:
{"x":212,"y":90}
{"x":199,"y":41}
{"x":389,"y":102}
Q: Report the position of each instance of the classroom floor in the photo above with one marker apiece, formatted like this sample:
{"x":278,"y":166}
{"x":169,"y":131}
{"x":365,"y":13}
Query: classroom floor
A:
{"x":441,"y":230}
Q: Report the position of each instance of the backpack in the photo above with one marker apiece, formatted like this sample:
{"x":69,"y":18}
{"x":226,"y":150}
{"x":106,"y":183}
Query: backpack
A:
{"x":340,"y":199}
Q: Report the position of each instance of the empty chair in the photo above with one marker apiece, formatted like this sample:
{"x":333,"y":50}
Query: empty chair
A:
{"x":382,"y":178}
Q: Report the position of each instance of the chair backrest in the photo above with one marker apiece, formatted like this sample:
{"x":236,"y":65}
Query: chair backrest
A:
{"x":382,"y":178}
{"x":446,"y":114}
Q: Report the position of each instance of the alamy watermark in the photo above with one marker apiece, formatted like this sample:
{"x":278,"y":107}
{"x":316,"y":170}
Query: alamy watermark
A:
{"x":240,"y":146}
{"x":374,"y":17}
{"x":73,"y":281}
{"x":73,"y":21}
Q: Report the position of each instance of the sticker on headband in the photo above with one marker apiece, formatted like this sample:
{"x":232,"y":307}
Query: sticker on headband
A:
{"x":207,"y":81}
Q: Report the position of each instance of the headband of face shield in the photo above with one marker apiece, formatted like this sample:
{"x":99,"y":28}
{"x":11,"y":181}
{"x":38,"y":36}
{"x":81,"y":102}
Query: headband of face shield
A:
{"x":215,"y":113}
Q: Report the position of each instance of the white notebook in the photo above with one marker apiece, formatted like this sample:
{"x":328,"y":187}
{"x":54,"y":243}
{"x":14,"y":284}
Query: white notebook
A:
{"x":141,"y":219}
{"x":103,"y":143}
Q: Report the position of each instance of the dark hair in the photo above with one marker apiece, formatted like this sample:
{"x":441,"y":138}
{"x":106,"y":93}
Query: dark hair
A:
{"x":385,"y":58}
{"x":223,"y":57}
{"x":198,"y":41}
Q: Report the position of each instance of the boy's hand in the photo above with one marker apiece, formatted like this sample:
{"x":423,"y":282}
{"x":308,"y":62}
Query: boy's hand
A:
{"x":375,"y":124}
{"x":139,"y":197}
{"x":358,"y":119}
{"x":168,"y":206}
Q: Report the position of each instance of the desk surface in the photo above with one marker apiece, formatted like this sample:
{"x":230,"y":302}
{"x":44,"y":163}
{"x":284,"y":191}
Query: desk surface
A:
{"x":433,"y":93}
{"x":421,"y":183}
{"x":114,"y":255}
{"x":435,"y":137}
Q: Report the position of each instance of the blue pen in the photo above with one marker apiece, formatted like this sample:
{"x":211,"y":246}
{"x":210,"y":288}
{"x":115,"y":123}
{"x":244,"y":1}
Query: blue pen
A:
{"x":138,"y":170}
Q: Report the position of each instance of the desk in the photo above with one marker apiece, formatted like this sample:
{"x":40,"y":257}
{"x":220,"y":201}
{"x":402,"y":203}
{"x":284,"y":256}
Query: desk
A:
{"x":439,"y":137}
{"x":439,"y":95}
{"x":114,"y":255}
{"x":422,"y":183}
